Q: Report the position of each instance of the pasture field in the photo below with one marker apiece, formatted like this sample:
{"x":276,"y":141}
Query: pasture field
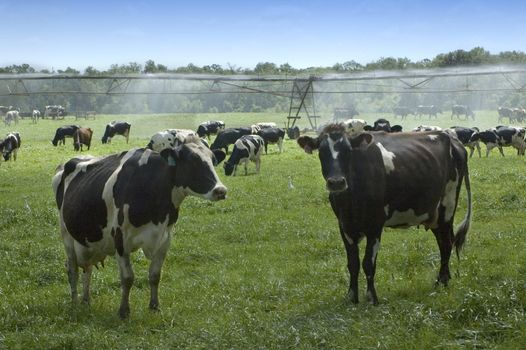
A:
{"x":266,"y":267}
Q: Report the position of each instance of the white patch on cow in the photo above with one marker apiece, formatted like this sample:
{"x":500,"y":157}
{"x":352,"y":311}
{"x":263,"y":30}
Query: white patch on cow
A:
{"x":432,"y":137}
{"x":406,"y":218}
{"x":332,"y":143}
{"x":145,"y":156}
{"x":376,"y":247}
{"x":387,"y":157}
{"x":449,"y":200}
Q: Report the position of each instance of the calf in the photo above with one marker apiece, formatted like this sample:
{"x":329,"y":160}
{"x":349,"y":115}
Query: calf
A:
{"x":272,"y":135}
{"x":378,"y":180}
{"x":116,"y":128}
{"x":82,"y":136}
{"x":228,"y":137}
{"x":117,"y":204}
{"x":63,"y":132}
{"x":211,"y":127}
{"x":247,"y":148}
{"x":10,"y":145}
{"x":465,"y":136}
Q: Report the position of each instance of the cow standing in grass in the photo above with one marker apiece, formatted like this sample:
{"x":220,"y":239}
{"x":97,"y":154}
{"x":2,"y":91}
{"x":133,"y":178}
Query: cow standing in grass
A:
{"x":116,"y":128}
{"x":9,"y":145}
{"x":116,"y":204}
{"x":247,"y":148}
{"x":378,"y":180}
{"x":82,"y":136}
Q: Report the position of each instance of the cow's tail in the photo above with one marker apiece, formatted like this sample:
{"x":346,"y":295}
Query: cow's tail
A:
{"x":463,"y":228}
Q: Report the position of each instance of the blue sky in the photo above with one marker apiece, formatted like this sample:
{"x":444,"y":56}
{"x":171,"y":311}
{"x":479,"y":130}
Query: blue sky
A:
{"x":80,"y":33}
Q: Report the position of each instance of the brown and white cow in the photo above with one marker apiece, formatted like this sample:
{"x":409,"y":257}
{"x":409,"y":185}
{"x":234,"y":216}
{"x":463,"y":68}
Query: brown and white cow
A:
{"x":82,"y":136}
{"x":116,"y":204}
{"x":378,"y":180}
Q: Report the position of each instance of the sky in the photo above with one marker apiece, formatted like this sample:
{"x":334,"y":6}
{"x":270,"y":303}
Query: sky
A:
{"x":55,"y":35}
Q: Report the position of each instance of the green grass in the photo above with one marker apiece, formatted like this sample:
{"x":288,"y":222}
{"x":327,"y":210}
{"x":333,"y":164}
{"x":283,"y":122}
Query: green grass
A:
{"x":266,"y":267}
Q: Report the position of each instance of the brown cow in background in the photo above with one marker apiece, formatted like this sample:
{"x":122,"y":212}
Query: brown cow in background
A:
{"x":82,"y":136}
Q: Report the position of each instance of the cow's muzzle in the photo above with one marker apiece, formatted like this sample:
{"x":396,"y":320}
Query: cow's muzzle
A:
{"x":336,"y":184}
{"x":219,"y":193}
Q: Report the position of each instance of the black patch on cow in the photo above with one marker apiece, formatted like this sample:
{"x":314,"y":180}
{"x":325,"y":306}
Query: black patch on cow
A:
{"x":119,"y":241}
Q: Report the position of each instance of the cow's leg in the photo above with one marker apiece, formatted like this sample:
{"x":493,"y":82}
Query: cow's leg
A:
{"x":86,"y":279}
{"x":154,"y":273}
{"x":471,"y":151}
{"x":369,"y":266}
{"x":71,"y":264}
{"x":15,"y":151}
{"x":266,"y":145}
{"x":353,"y":264}
{"x":280,"y":145}
{"x":246,"y":166}
{"x":500,"y":150}
{"x":478,"y":149}
{"x":444,"y":236}
{"x":258,"y":163}
{"x":489,"y":147}
{"x":126,"y":273}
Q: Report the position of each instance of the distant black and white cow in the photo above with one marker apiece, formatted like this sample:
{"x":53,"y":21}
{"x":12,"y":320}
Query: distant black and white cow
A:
{"x":421,"y":128}
{"x":505,"y":112}
{"x":502,"y":136}
{"x":169,"y":139}
{"x":272,"y":135}
{"x":429,"y":111}
{"x":10,"y":145}
{"x":383,"y":125}
{"x":116,"y":128}
{"x":402,"y":111}
{"x":465,"y":136}
{"x":461,"y":110}
{"x":228,"y":137}
{"x":82,"y":136}
{"x":378,"y":180}
{"x":119,"y":203}
{"x":211,"y":127}
{"x":35,"y":116}
{"x":264,"y":125}
{"x":63,"y":132}
{"x":11,"y":116}
{"x":55,"y":112}
{"x":247,"y":148}
{"x":355,"y":125}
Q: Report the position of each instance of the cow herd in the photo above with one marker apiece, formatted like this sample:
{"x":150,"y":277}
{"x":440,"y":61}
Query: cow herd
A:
{"x":432,"y":111}
{"x":376,"y":176}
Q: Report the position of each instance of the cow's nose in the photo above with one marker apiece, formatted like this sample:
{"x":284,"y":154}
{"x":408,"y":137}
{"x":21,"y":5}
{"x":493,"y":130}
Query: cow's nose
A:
{"x":219,"y":193}
{"x":336,"y":184}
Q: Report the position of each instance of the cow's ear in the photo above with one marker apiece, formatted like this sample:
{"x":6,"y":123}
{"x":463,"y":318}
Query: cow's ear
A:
{"x":368,"y":128}
{"x":170,"y":156}
{"x":308,"y":143}
{"x":396,"y":128}
{"x":362,"y":140}
{"x":219,"y":156}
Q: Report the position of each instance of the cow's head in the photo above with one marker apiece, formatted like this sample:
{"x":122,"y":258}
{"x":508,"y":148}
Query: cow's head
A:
{"x":335,"y":149}
{"x":193,"y":165}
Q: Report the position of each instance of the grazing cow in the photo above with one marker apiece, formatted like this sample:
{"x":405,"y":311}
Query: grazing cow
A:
{"x":465,"y":136}
{"x":211,"y":127}
{"x":11,"y":116}
{"x":35,"y":116}
{"x":228,"y":137}
{"x":505,"y":112}
{"x":117,"y":204}
{"x":246,"y":148}
{"x":354,"y":125}
{"x":82,"y":136}
{"x":378,"y":180}
{"x":10,"y":145}
{"x":427,"y":128}
{"x":54,"y":111}
{"x":383,"y":125}
{"x":116,"y":128}
{"x":502,"y":136}
{"x":402,"y":111}
{"x":458,"y":110}
{"x":293,"y":133}
{"x":264,"y":125}
{"x":169,"y":138}
{"x":63,"y":132}
{"x":272,"y":135}
{"x":430,"y":111}
{"x":519,"y":114}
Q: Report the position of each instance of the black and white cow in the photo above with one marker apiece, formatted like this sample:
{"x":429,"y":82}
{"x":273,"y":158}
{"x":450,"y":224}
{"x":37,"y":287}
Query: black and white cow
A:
{"x":247,"y":148}
{"x":116,"y":128}
{"x":505,"y":112}
{"x":264,"y":125}
{"x":461,"y":110}
{"x":430,"y":111}
{"x":465,"y":136}
{"x":211,"y":127}
{"x":11,"y":116}
{"x":421,"y":128}
{"x":63,"y":132}
{"x":402,"y":111}
{"x":272,"y":135}
{"x":10,"y":145}
{"x":35,"y":116}
{"x":502,"y":136}
{"x":355,"y":125}
{"x":169,"y":139}
{"x":119,"y":203}
{"x":383,"y":125}
{"x":228,"y":137}
{"x":378,"y":180}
